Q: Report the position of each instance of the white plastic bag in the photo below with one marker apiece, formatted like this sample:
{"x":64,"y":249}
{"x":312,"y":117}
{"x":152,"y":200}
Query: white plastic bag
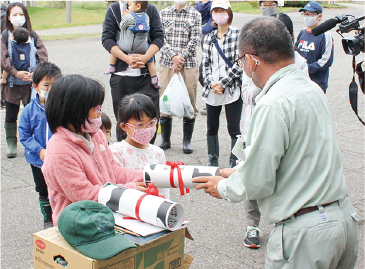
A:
{"x":175,"y":99}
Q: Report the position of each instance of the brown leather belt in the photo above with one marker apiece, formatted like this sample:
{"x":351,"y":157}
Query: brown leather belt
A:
{"x":309,"y":209}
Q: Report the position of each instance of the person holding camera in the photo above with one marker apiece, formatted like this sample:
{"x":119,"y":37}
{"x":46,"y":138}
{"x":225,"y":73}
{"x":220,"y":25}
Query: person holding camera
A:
{"x":317,"y":50}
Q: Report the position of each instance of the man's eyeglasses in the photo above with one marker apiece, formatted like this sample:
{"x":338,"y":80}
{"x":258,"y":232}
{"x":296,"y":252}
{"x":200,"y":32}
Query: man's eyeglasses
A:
{"x":268,"y":5}
{"x":142,"y":125}
{"x":310,"y":14}
{"x":238,"y":61}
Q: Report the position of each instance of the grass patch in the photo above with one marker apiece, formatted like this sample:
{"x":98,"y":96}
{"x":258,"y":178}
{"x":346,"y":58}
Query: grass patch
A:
{"x":48,"y":18}
{"x":68,"y":36}
{"x":93,"y":12}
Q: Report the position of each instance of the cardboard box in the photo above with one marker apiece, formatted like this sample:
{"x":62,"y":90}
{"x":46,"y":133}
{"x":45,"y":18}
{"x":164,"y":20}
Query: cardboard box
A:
{"x":165,"y":252}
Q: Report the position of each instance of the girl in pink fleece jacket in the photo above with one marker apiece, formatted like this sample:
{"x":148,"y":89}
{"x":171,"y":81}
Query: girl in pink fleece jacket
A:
{"x":78,"y":160}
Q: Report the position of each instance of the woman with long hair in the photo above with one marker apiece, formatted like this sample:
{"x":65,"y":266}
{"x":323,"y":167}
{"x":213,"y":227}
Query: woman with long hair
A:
{"x":18,"y":85}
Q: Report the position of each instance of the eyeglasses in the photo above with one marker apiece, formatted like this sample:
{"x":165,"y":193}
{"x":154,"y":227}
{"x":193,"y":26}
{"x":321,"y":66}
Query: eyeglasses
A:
{"x":268,"y":5}
{"x":310,"y":14}
{"x":98,"y":108}
{"x":143,"y":125}
{"x":238,"y":61}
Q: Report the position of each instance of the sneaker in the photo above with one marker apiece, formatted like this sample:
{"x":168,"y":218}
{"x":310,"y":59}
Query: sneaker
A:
{"x":252,"y":239}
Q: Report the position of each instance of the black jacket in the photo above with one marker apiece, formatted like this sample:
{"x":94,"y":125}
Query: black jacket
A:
{"x":111,"y":27}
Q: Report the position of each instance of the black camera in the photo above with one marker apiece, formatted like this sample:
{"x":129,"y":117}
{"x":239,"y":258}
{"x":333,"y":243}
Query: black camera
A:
{"x":348,"y":23}
{"x":353,"y":45}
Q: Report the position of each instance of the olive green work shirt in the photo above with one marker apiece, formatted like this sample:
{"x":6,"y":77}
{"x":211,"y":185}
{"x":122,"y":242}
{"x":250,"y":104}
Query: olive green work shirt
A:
{"x":292,"y":155}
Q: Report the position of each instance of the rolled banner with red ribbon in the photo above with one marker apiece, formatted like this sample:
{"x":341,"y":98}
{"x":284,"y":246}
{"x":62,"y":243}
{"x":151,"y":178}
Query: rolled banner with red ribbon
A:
{"x":176,"y":175}
{"x":145,"y":207}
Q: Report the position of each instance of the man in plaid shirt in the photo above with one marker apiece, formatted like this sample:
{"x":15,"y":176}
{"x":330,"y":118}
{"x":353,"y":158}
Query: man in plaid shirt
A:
{"x":182,"y":31}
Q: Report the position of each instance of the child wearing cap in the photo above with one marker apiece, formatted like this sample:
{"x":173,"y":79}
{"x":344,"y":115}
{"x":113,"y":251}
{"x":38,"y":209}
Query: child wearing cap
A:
{"x":317,"y":50}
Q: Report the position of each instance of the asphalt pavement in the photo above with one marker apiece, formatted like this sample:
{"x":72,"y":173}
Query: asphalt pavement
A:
{"x":218,"y":227}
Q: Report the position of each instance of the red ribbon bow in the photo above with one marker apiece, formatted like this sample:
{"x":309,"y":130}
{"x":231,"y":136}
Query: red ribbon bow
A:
{"x":151,"y":190}
{"x":175,"y":165}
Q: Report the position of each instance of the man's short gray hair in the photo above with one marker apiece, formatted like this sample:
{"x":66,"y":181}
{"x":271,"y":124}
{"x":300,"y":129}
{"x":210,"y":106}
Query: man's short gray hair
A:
{"x":267,"y":38}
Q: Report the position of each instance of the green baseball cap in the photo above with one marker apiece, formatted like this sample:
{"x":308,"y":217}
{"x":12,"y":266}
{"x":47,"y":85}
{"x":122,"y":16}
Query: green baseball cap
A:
{"x":88,"y":226}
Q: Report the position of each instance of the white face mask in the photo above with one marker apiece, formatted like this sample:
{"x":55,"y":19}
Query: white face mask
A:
{"x":310,"y":21}
{"x":250,"y":79}
{"x":17,"y":21}
{"x":181,"y":3}
{"x":43,"y":94}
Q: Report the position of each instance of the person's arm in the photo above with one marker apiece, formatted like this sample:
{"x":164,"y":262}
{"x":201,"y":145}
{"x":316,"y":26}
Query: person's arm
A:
{"x":128,"y":178}
{"x":65,"y":174}
{"x":326,"y":58}
{"x":110,"y":27}
{"x":304,"y":68}
{"x":256,"y":178}
{"x":25,"y":133}
{"x":195,"y":37}
{"x":206,"y":61}
{"x":42,"y":54}
{"x":5,"y":59}
{"x":156,"y":31}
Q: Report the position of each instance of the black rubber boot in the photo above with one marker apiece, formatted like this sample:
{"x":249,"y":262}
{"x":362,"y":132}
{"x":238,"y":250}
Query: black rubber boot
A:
{"x":11,"y":140}
{"x":213,"y":150}
{"x":232,"y":159}
{"x":166,"y":126}
{"x":46,"y":212}
{"x":188,"y":129}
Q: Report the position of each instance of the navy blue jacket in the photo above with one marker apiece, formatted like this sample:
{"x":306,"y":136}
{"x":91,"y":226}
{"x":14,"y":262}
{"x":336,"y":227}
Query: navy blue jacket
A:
{"x":34,"y":131}
{"x":318,"y":51}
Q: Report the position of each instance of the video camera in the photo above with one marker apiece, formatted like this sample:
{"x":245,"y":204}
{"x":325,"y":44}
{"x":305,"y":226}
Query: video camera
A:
{"x":352,"y":46}
{"x":348,"y":23}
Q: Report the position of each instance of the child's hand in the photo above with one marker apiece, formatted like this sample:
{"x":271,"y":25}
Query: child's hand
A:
{"x":141,"y":186}
{"x":125,"y":12}
{"x":42,"y":154}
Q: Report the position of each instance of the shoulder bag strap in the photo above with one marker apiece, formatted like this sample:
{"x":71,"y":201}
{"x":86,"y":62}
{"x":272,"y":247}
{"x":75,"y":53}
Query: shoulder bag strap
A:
{"x":353,"y":89}
{"x":215,"y":42}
